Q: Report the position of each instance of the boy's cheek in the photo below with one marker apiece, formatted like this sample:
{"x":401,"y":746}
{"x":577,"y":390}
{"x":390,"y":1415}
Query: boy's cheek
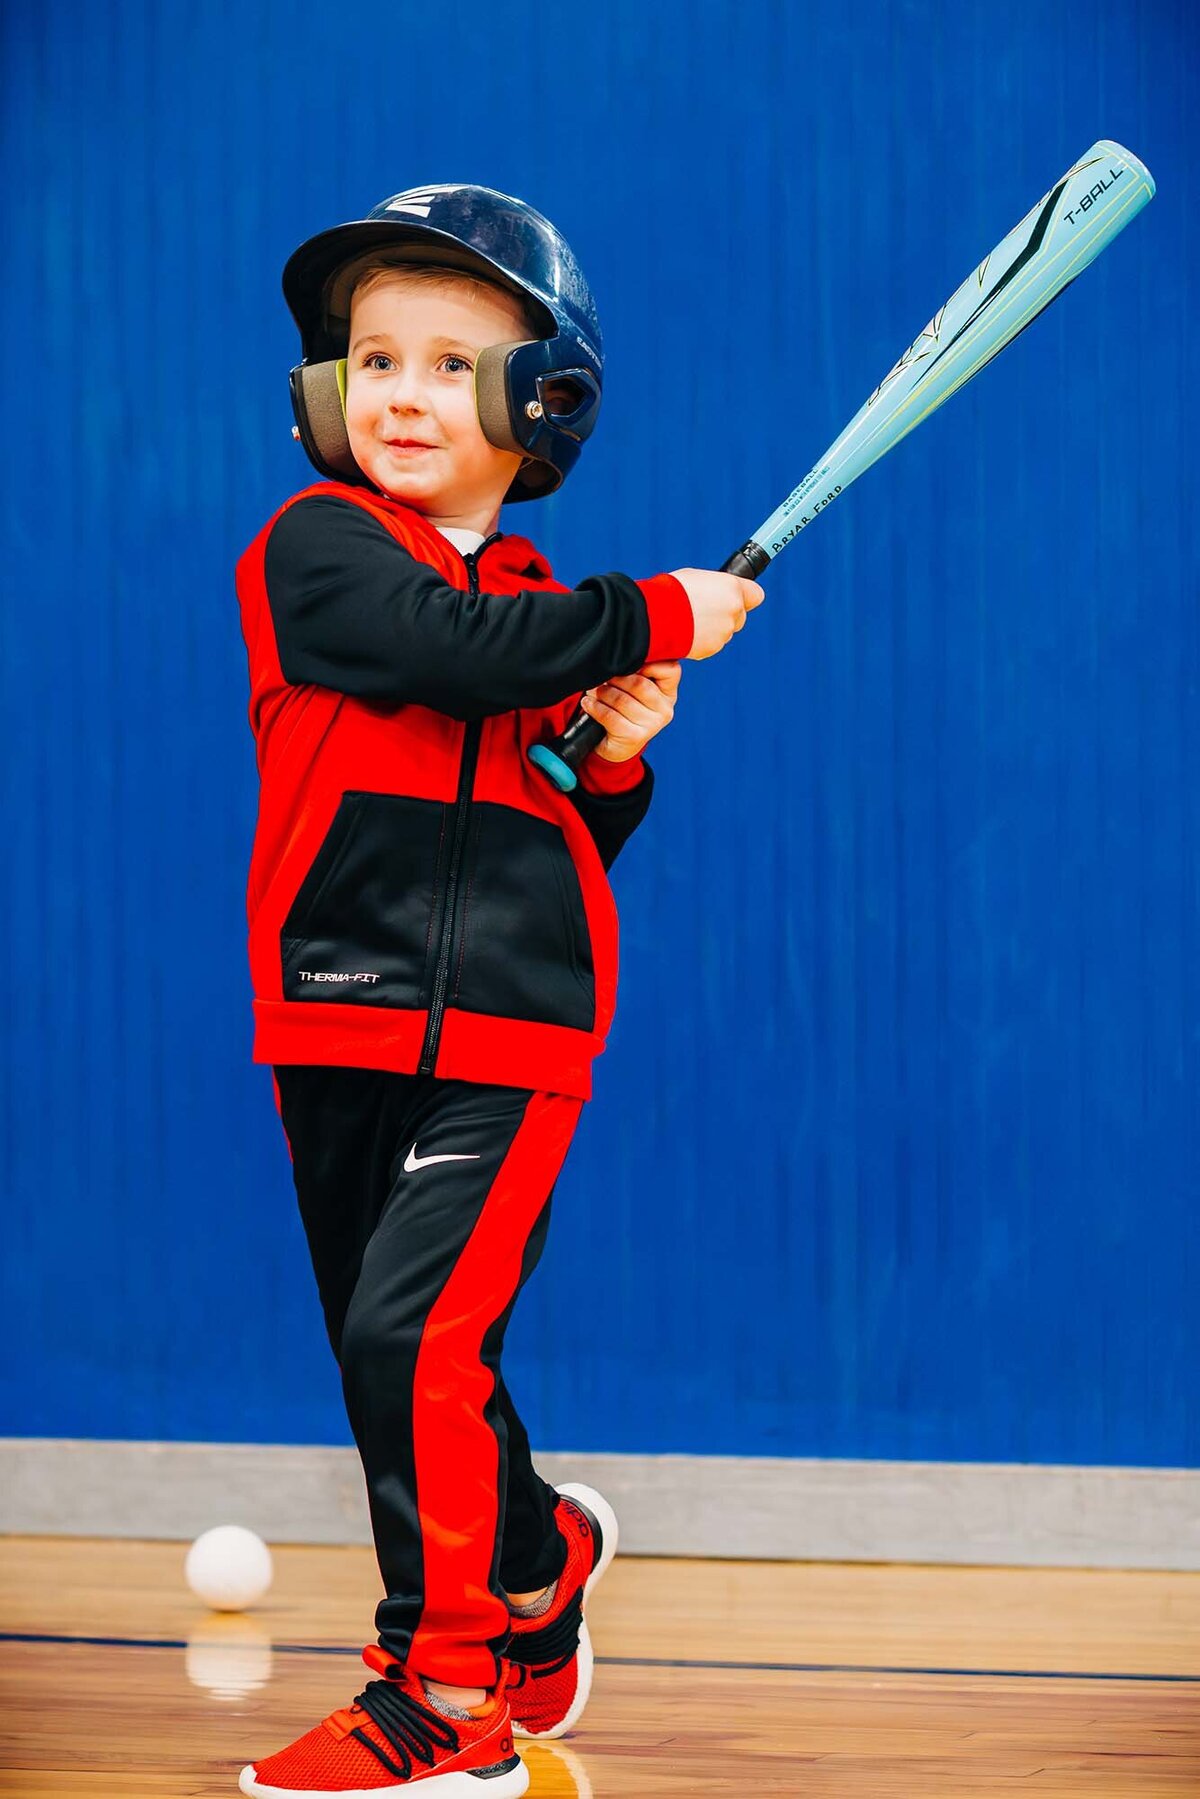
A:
{"x":357,"y":425}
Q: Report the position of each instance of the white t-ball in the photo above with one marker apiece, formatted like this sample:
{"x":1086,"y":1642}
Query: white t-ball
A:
{"x":228,"y":1567}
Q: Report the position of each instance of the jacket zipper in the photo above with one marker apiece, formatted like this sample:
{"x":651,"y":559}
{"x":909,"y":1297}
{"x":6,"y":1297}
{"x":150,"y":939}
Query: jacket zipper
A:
{"x":448,"y":923}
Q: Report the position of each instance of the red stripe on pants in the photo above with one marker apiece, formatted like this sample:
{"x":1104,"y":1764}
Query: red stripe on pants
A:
{"x":456,"y":1451}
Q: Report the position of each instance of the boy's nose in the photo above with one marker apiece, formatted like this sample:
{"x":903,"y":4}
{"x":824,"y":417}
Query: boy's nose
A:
{"x":407,"y":393}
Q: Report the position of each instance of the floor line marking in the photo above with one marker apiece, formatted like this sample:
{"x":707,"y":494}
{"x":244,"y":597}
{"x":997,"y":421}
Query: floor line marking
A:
{"x":649,"y":1661}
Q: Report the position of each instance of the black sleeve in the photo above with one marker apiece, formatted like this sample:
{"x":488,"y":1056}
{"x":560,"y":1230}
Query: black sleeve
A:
{"x":612,"y":818}
{"x":353,"y":610}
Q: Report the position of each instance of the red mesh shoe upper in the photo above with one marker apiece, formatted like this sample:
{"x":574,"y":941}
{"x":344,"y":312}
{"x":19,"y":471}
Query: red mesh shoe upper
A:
{"x":543,"y":1674}
{"x":389,"y":1736}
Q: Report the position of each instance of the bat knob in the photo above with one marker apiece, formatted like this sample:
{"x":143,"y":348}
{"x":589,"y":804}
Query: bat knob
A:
{"x":560,"y":772}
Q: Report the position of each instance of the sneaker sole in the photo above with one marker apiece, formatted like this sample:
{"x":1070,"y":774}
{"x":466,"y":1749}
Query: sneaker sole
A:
{"x":462,"y":1784}
{"x":603,"y":1519}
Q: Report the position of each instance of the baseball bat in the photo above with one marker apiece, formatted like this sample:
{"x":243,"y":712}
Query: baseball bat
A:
{"x":1029,"y":268}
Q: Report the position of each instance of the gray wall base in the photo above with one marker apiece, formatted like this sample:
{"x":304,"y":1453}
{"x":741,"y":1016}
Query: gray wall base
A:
{"x":777,"y":1509}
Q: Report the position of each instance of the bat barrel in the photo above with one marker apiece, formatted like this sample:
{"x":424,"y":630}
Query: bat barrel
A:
{"x":1039,"y":258}
{"x":1067,"y":229}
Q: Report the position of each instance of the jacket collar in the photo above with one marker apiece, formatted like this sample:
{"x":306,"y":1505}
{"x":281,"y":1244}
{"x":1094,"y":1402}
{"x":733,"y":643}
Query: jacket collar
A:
{"x":507,"y":554}
{"x":513,"y":555}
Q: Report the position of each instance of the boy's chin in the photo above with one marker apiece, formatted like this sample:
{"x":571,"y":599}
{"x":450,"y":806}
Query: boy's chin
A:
{"x":412,"y":486}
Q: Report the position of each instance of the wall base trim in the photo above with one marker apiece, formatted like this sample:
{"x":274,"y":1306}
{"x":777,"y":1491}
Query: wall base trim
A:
{"x":999,"y":1514}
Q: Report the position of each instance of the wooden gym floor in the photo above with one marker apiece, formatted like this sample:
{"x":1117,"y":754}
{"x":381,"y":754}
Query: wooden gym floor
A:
{"x":728,"y":1678}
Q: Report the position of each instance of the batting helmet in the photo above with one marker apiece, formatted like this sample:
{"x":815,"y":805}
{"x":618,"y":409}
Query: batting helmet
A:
{"x":540,"y":397}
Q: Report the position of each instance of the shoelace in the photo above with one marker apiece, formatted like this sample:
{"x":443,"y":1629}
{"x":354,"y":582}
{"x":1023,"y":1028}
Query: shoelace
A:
{"x":553,"y":1645}
{"x":411,"y":1728}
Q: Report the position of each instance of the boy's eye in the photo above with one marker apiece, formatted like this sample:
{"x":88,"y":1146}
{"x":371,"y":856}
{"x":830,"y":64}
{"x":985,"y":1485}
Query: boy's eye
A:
{"x":454,"y":364}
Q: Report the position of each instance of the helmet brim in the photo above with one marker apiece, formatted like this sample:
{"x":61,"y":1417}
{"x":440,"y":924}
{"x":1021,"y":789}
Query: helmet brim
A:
{"x":319,"y":277}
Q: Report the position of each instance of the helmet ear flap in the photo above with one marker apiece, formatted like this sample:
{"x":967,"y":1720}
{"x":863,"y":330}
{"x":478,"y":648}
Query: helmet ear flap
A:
{"x":319,"y":404}
{"x":494,"y":402}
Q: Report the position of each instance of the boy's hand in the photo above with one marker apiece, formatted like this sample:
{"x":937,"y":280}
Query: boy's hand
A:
{"x":633,"y":708}
{"x":719,"y":606}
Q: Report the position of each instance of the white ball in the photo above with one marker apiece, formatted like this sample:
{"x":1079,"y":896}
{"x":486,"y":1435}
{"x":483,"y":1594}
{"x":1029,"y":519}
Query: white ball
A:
{"x":228,"y":1567}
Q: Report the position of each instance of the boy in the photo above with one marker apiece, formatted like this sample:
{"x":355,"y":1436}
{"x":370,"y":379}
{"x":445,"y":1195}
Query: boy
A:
{"x":432,"y":935}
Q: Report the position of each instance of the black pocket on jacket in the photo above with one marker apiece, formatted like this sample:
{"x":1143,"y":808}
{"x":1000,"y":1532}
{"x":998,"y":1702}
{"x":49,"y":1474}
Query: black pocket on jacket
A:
{"x":524,"y":949}
{"x":359,"y":930}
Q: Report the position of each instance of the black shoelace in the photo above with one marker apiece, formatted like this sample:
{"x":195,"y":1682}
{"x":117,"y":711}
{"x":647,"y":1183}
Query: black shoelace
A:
{"x":549,"y":1650}
{"x":411,"y":1728}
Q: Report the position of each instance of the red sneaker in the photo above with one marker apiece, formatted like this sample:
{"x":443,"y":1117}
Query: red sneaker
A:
{"x":392,"y":1740}
{"x":550,"y":1658}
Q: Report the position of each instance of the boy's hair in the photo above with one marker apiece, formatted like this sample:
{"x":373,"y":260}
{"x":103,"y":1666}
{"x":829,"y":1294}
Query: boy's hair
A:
{"x":380,"y":269}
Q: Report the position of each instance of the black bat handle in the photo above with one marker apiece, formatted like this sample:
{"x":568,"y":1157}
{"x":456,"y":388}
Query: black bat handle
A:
{"x":562,"y":759}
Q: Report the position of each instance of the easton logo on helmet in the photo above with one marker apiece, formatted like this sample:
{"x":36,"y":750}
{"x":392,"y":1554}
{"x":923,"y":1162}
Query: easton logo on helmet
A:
{"x":421,"y":202}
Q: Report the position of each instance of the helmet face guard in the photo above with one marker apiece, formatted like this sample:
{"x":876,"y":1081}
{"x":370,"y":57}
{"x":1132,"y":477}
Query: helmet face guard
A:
{"x":540,"y":397}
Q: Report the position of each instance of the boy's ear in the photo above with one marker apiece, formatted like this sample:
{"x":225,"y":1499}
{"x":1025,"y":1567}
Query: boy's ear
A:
{"x":319,"y":405}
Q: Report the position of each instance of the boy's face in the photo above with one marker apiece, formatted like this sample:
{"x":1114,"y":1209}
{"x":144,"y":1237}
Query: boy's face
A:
{"x":410,"y":401}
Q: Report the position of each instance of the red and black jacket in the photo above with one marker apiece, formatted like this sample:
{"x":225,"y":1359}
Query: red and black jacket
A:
{"x":421,"y":899}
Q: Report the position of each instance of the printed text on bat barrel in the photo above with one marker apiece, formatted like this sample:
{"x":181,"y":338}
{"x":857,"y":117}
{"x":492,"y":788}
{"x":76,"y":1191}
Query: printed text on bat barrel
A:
{"x":1100,"y":188}
{"x":777,"y":543}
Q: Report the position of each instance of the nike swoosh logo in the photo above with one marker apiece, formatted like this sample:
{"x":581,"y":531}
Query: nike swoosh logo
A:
{"x":413,"y":1161}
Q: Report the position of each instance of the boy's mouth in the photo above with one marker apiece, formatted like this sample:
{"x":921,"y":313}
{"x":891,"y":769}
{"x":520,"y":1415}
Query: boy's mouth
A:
{"x":406,"y":446}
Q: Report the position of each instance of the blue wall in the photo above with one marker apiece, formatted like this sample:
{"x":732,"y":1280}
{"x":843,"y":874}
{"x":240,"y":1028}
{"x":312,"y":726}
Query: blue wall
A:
{"x":895,"y":1148}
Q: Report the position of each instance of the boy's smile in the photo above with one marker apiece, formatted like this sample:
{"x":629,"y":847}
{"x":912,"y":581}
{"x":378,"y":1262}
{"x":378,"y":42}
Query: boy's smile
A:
{"x":410,"y":396}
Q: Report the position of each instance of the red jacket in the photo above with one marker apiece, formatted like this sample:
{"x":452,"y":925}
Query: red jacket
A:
{"x":421,"y":899}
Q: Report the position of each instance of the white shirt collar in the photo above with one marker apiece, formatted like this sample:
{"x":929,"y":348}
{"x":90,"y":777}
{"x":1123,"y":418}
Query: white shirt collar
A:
{"x":463,"y":540}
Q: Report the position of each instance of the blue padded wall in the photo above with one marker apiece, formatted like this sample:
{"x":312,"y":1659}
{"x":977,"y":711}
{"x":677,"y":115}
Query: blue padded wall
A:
{"x":894,"y":1151}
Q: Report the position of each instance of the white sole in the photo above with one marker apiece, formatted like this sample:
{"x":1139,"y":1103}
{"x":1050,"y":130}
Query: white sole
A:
{"x":459,"y":1785}
{"x":606,"y":1518}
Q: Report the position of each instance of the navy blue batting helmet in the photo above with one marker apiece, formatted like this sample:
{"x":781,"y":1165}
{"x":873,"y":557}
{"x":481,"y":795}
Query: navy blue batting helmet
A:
{"x":540,"y":397}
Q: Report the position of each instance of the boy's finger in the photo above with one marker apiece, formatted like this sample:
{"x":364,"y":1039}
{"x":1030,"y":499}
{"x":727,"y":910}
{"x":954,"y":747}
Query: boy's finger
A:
{"x":619,"y":708}
{"x":647,"y":696}
{"x":619,"y":705}
{"x":643,"y":685}
{"x":668,"y":681}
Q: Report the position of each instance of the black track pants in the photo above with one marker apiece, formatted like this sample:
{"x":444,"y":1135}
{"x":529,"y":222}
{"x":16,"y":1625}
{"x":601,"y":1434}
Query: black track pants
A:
{"x":426,"y":1204}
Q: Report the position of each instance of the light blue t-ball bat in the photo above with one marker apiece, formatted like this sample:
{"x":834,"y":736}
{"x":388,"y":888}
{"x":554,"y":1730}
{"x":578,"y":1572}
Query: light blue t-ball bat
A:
{"x":1040,"y":257}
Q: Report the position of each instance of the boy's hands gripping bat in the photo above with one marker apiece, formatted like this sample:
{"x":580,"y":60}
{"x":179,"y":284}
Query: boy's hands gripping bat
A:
{"x":1041,"y":256}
